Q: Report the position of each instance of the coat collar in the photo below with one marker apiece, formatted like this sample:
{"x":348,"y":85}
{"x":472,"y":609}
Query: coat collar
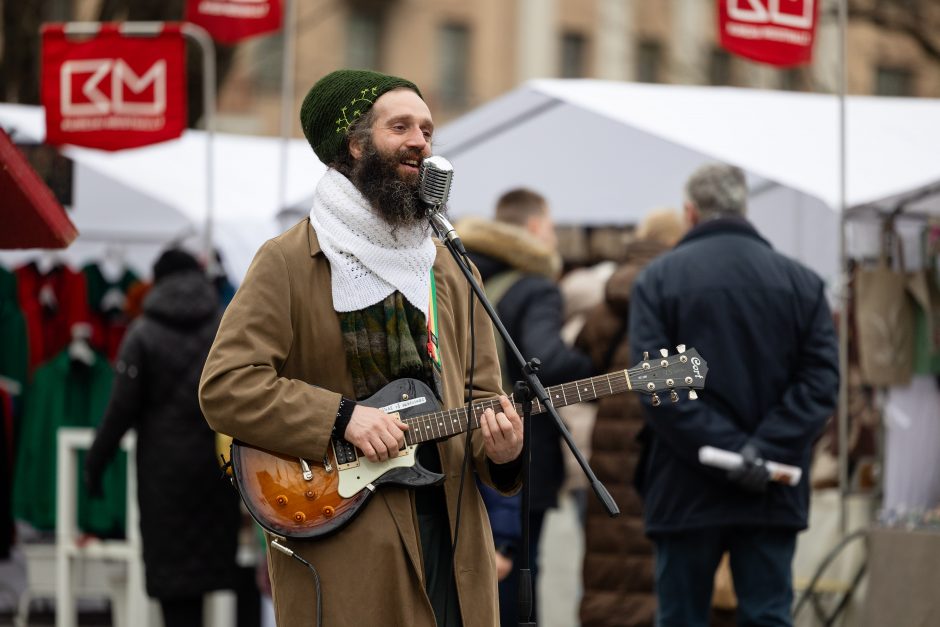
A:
{"x":723,"y":226}
{"x":509,"y":245}
{"x":312,"y":242}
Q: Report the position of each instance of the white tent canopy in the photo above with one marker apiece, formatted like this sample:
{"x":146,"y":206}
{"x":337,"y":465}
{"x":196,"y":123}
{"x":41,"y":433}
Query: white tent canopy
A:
{"x":157,"y":193}
{"x":606,"y":152}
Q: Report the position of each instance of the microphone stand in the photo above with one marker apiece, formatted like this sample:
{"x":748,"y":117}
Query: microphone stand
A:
{"x":531,"y":388}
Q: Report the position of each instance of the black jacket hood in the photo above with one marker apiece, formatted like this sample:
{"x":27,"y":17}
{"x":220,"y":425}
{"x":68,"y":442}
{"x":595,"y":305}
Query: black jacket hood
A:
{"x":185,"y":299}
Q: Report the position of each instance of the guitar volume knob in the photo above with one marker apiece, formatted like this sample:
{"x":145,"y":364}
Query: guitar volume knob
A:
{"x":310,"y":494}
{"x":299,"y":517}
{"x":328,"y":511}
{"x":281,"y":500}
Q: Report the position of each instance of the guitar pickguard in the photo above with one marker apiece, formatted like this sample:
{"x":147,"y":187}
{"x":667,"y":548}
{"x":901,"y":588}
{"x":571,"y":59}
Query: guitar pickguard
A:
{"x":362,"y":473}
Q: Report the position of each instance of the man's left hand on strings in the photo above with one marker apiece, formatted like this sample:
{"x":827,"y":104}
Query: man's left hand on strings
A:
{"x":502,"y":433}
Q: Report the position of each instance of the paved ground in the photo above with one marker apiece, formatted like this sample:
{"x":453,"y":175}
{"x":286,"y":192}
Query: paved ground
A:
{"x":562,"y":551}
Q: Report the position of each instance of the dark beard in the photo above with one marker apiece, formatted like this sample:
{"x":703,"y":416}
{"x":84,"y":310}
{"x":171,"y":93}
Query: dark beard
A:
{"x":395,"y":200}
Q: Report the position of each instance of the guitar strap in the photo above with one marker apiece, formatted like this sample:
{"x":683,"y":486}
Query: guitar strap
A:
{"x":434,"y":349}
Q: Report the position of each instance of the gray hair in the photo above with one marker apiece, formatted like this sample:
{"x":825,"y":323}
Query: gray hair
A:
{"x":717,"y":189}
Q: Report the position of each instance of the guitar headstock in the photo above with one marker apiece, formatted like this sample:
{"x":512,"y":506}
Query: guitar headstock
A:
{"x":685,"y":370}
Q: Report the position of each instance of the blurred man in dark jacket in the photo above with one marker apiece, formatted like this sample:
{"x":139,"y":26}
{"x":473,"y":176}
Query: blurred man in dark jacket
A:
{"x":763,"y":323}
{"x":519,"y":263}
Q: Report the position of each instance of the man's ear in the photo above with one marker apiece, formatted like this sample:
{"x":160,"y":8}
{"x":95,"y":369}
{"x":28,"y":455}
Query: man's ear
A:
{"x":692,"y":215}
{"x":355,"y":148}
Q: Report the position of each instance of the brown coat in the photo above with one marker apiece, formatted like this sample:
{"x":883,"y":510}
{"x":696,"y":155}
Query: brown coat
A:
{"x":618,"y":561}
{"x":279,"y":337}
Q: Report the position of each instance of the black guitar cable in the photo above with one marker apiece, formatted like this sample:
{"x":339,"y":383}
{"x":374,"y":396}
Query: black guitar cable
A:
{"x":316,"y":576}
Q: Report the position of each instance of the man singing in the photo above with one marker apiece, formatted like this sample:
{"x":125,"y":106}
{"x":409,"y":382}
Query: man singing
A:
{"x":330,"y":312}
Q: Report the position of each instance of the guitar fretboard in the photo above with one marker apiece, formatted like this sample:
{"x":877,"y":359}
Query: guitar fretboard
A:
{"x":443,"y":424}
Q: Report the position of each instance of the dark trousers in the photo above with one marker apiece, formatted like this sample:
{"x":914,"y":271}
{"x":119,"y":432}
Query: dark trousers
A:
{"x":182,"y":612}
{"x":509,"y":587}
{"x":761,"y":561}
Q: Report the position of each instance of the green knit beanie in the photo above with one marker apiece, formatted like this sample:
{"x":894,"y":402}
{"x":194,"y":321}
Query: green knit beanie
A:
{"x":337,"y":101}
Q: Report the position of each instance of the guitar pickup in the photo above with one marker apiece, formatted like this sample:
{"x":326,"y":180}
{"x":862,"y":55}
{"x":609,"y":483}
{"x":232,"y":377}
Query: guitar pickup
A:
{"x":344,"y":451}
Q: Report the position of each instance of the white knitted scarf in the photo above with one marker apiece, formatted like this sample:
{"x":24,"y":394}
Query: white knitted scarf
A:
{"x":368,"y":262}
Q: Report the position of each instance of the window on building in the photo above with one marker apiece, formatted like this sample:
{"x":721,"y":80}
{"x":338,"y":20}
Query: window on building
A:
{"x":792,"y":79}
{"x":59,"y":11}
{"x":719,"y":67}
{"x":268,"y":65}
{"x":648,"y":61}
{"x":363,"y":38}
{"x":454,"y":65}
{"x":894,"y":81}
{"x":573,"y":53}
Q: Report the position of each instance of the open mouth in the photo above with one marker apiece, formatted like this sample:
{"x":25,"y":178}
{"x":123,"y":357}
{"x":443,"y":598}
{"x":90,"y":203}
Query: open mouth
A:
{"x":410,"y":164}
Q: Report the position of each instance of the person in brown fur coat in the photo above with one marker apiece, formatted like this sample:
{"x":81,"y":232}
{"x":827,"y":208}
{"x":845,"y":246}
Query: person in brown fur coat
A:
{"x":618,"y":558}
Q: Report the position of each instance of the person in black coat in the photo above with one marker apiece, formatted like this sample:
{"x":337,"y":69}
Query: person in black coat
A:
{"x":762,"y":323}
{"x":189,"y":516}
{"x":517,"y":257}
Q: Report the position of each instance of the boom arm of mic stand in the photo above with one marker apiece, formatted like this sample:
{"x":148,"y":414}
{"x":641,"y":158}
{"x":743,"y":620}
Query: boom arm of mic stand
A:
{"x":536,"y":387}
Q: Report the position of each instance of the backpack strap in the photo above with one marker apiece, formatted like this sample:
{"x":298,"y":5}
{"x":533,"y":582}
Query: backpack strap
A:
{"x":496,"y":288}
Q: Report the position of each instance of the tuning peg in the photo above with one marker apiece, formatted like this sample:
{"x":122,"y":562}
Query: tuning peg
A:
{"x":664,"y":352}
{"x":646,"y":355}
{"x":673,"y":396}
{"x":656,"y":400}
{"x":680,"y":348}
{"x":693,"y":395}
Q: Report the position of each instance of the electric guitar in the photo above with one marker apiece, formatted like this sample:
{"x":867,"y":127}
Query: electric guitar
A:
{"x":300,"y":498}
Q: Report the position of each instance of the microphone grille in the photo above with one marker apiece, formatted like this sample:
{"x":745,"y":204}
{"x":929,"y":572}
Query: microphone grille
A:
{"x":434,"y":180}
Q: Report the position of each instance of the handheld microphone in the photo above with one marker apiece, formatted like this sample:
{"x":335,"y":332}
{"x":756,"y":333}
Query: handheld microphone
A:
{"x":729,"y":460}
{"x":434,"y":181}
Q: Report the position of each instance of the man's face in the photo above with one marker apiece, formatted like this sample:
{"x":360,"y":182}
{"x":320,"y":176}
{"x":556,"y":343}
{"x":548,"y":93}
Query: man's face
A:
{"x":387,"y":163}
{"x":543,"y":228}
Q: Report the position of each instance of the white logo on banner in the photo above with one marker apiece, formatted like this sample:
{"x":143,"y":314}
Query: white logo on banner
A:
{"x":235,"y":8}
{"x":768,"y":12}
{"x":121,"y":77}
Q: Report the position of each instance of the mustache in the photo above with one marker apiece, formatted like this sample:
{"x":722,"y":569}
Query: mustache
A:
{"x":410,"y":153}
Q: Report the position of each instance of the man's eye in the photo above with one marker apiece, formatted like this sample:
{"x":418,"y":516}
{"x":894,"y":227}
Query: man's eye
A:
{"x":427,"y":135}
{"x":399,"y":127}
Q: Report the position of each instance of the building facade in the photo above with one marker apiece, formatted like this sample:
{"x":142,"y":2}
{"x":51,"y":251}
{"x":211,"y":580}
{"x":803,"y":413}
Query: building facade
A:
{"x":463,"y":53}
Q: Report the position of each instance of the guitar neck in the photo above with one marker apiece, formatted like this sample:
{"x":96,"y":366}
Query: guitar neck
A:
{"x":444,"y":424}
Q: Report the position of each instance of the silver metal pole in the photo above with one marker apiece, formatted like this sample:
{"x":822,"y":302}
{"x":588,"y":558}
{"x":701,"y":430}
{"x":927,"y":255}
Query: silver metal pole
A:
{"x":843,"y":411}
{"x":202,"y":38}
{"x":287,"y":95}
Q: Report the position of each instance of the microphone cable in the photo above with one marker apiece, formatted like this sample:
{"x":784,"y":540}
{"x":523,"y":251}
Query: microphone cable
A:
{"x":316,"y":576}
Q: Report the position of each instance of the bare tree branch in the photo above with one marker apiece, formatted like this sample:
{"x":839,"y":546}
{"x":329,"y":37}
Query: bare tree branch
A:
{"x":911,"y":17}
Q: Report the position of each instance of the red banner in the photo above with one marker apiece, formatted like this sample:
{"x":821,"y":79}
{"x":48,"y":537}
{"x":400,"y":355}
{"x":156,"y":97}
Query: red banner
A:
{"x":111,"y":91}
{"x":230,"y":21}
{"x":779,"y":32}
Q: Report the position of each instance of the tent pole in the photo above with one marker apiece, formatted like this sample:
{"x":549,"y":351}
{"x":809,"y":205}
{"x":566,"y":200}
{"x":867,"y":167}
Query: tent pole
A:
{"x":843,"y":409}
{"x":202,"y":38}
{"x":287,"y":94}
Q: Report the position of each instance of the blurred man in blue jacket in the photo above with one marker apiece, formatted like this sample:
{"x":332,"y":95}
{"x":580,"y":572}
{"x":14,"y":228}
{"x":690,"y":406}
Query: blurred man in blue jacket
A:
{"x":762,"y":322}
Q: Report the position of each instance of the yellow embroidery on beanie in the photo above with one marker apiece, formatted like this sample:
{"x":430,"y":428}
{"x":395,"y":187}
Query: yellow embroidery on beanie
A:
{"x":344,"y":122}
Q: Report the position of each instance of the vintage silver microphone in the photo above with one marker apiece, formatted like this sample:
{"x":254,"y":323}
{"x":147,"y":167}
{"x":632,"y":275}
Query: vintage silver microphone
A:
{"x":434,"y":181}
